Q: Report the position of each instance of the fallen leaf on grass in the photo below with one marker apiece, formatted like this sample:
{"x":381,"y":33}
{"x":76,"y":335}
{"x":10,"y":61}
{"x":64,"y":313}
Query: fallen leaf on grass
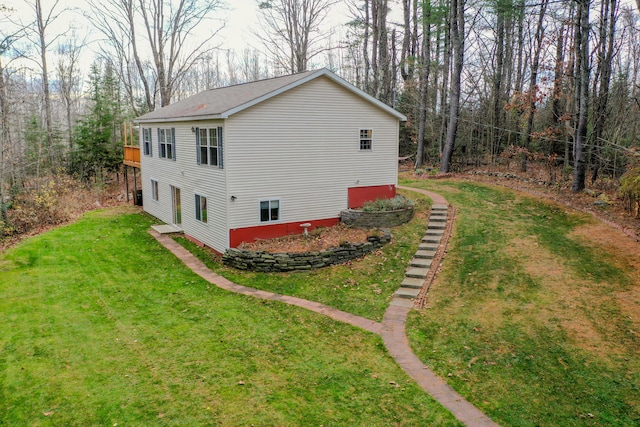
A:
{"x":473,"y":360}
{"x":48,"y":413}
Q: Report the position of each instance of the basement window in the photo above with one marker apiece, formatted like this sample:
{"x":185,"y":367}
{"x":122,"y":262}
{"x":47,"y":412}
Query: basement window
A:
{"x":269,"y":210}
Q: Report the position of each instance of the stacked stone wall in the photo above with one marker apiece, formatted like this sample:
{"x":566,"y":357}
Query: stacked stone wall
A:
{"x":378,"y":219}
{"x":297,"y":261}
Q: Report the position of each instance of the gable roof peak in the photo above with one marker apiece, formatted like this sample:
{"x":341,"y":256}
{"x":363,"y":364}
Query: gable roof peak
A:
{"x":220,"y":103}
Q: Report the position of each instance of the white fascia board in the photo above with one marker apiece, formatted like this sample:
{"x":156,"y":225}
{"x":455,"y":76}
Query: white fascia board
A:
{"x":180,"y":119}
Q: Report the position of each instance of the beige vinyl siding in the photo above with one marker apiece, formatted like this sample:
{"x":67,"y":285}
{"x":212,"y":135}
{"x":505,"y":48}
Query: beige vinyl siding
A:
{"x":302,"y":147}
{"x":191,"y":178}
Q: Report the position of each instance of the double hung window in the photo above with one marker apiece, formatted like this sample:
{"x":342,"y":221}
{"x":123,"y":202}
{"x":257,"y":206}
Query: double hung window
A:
{"x":166,"y":144}
{"x":366,"y":139}
{"x":209,"y":146}
{"x":146,"y":142}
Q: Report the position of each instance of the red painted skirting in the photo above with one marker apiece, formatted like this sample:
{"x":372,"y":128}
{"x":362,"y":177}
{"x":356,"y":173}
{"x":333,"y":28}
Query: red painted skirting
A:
{"x":358,"y":196}
{"x":250,"y":234}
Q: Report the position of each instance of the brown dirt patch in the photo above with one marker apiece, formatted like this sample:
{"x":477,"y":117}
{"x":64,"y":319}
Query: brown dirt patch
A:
{"x":627,"y":257}
{"x":568,"y":300}
{"x":318,"y":240}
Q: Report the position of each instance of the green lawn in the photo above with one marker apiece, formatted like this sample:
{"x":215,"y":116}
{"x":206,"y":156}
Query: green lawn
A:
{"x":533,"y":318}
{"x":100,"y":325}
{"x":363,"y":287}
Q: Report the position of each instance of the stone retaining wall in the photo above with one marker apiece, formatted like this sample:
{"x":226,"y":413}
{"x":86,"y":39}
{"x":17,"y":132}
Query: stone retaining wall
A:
{"x":278,"y":262}
{"x":379,"y":219}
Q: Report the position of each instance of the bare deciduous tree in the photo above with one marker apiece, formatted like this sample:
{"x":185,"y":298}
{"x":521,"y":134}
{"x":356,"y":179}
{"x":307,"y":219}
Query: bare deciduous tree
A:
{"x":39,"y":37}
{"x":457,"y":48}
{"x":292,"y":33}
{"x":582,"y":66}
{"x":168,"y":30}
{"x":69,"y":79}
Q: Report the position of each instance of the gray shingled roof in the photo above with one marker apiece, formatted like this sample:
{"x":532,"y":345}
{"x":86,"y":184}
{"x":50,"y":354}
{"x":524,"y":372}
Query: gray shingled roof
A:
{"x":222,"y":102}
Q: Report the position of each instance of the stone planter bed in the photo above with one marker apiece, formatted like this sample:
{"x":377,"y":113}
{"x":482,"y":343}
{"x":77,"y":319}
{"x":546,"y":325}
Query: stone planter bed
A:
{"x":376,"y":219}
{"x":263,"y":261}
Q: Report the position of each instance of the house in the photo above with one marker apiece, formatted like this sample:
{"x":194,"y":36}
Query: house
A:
{"x":257,"y":160}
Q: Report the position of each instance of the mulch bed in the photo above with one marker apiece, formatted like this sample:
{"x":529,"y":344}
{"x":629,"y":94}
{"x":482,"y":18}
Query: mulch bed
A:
{"x":320,"y":239}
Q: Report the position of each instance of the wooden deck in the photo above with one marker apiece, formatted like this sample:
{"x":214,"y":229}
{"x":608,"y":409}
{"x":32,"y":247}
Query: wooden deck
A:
{"x":132,"y":156}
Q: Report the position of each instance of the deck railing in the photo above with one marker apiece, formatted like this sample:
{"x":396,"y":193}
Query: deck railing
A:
{"x":132,"y":156}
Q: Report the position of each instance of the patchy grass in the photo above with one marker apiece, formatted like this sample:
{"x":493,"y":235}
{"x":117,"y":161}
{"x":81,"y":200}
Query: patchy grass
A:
{"x":535,"y":315}
{"x":363,"y":287}
{"x":102,"y":326}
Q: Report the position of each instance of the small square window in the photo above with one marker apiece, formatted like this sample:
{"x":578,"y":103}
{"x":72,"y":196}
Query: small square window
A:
{"x":269,"y":210}
{"x":366,"y":138}
{"x":201,"y":208}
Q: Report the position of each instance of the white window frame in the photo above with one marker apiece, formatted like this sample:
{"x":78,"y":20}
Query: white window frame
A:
{"x":270,"y":200}
{"x":361,"y":139}
{"x":199,"y":208}
{"x":147,"y":142}
{"x":209,"y":147}
{"x":155,"y":190}
{"x":166,"y":144}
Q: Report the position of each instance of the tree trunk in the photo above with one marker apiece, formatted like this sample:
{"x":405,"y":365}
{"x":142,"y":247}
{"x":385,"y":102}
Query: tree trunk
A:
{"x":533,"y":84}
{"x":424,"y":80}
{"x":42,"y":26}
{"x":496,"y":124}
{"x":4,"y":140}
{"x":444,"y":93}
{"x":457,"y":44}
{"x":582,"y":36}
{"x":365,"y":47}
{"x":605,"y":53}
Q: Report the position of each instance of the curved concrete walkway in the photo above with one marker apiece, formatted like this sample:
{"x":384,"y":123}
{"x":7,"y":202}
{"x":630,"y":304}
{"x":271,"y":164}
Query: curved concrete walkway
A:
{"x":391,"y":329}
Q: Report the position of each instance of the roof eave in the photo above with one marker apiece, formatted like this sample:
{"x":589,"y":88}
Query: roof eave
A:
{"x":181,"y":118}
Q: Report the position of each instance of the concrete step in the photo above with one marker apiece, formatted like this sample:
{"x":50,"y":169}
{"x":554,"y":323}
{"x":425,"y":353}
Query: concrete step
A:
{"x":412,"y":282}
{"x":418,"y":273}
{"x":425,"y":254}
{"x":406,"y":293}
{"x":420,"y":263}
{"x":435,"y":218}
{"x":439,"y":207}
{"x":402,"y":302}
{"x":431,"y":239}
{"x":424,"y":246}
{"x":436,"y":225}
{"x":434,"y":232}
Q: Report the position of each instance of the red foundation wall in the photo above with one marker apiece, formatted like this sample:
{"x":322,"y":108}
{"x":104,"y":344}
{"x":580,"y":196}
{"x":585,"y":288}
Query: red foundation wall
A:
{"x":269,"y":231}
{"x":358,"y":196}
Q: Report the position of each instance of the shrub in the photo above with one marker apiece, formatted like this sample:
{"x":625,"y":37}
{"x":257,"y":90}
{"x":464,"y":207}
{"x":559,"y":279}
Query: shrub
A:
{"x":383,"y":205}
{"x":630,"y":190}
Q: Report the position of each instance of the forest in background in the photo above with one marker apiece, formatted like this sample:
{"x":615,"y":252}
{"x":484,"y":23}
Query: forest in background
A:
{"x":484,"y":84}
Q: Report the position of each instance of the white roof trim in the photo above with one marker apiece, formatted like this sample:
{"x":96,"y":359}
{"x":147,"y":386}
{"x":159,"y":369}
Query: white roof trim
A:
{"x":181,"y":119}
